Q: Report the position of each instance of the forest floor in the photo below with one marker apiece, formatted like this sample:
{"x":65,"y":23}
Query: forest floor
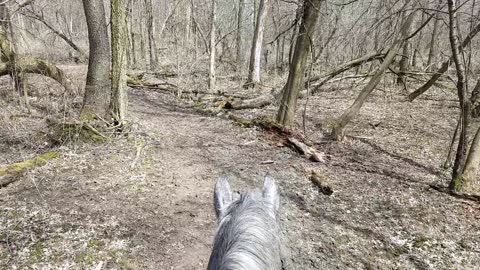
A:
{"x":89,"y":209}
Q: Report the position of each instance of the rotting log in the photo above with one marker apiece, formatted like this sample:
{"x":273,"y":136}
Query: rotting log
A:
{"x":8,"y":173}
{"x":287,"y":137}
{"x":309,"y":152}
{"x":256,"y":102}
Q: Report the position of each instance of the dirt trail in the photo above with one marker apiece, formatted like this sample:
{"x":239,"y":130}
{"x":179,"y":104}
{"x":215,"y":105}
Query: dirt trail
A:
{"x":89,"y":207}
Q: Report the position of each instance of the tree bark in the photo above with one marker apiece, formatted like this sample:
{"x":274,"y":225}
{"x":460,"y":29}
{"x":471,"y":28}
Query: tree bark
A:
{"x":338,"y":129}
{"x":406,"y":54}
{"x":457,"y":54}
{"x":151,"y":37}
{"x":239,"y":55}
{"x":211,"y":77}
{"x":286,"y":112}
{"x":96,"y":99}
{"x":432,"y":51}
{"x":118,"y":23}
{"x":404,"y":63}
{"x":468,"y":180}
{"x":257,"y":43}
{"x":422,"y":89}
{"x":475,"y":100}
{"x":131,"y":60}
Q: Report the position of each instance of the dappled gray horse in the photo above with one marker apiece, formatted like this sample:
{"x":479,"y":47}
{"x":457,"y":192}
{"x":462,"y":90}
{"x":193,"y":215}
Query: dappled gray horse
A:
{"x":248,"y":235}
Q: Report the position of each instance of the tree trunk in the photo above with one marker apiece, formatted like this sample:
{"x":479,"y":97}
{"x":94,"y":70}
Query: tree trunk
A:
{"x":9,"y":55}
{"x":211,"y":77}
{"x":404,"y":61}
{"x":151,"y":37}
{"x":256,"y":51}
{"x":444,"y":66}
{"x":338,"y":129}
{"x":475,"y":100}
{"x":96,"y":99}
{"x":239,"y":55}
{"x":131,"y":61}
{"x":432,"y":52}
{"x":118,"y":23}
{"x":286,"y":111}
{"x":457,"y":54}
{"x":468,"y":180}
{"x":404,"y":65}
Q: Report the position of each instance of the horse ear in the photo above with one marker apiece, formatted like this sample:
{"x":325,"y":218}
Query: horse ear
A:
{"x":222,"y":196}
{"x":271,"y":193}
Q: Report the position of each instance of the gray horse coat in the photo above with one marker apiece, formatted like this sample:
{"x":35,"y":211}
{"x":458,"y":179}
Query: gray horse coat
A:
{"x":248,"y":235}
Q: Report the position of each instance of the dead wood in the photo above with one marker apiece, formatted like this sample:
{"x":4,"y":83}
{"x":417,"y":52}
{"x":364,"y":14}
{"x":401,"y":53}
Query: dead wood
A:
{"x":324,"y":78}
{"x":11,"y":173}
{"x":38,"y":66}
{"x":252,"y":103}
{"x":321,"y":182}
{"x":69,"y":41}
{"x":305,"y":150}
{"x":285,"y":136}
{"x":422,"y":89}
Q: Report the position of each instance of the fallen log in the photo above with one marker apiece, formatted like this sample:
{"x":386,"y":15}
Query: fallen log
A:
{"x":305,"y":150}
{"x":10,"y":173}
{"x":324,"y":78}
{"x":256,"y":102}
{"x":285,"y":136}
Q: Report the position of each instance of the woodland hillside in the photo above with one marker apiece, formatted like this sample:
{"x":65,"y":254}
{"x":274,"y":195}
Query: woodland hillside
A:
{"x":118,"y":117}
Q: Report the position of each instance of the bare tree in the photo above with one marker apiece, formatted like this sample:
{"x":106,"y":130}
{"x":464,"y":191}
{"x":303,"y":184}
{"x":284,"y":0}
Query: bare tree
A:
{"x":211,"y":77}
{"x":338,"y":129}
{"x":404,"y":61}
{"x":458,"y":182}
{"x":288,"y":104}
{"x":256,"y":51}
{"x":422,"y":89}
{"x":118,"y":23}
{"x":433,"y":41}
{"x":152,"y":44}
{"x":239,"y":41}
{"x":96,"y":99}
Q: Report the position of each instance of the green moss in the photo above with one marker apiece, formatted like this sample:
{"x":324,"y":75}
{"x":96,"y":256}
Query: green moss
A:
{"x":72,"y":132}
{"x":84,"y":257}
{"x":37,"y":252}
{"x":139,"y":187}
{"x":140,"y":143}
{"x":420,"y":241}
{"x":37,"y":161}
{"x":95,"y":244}
{"x":329,"y":123}
{"x":15,"y":214}
{"x":124,"y":263}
